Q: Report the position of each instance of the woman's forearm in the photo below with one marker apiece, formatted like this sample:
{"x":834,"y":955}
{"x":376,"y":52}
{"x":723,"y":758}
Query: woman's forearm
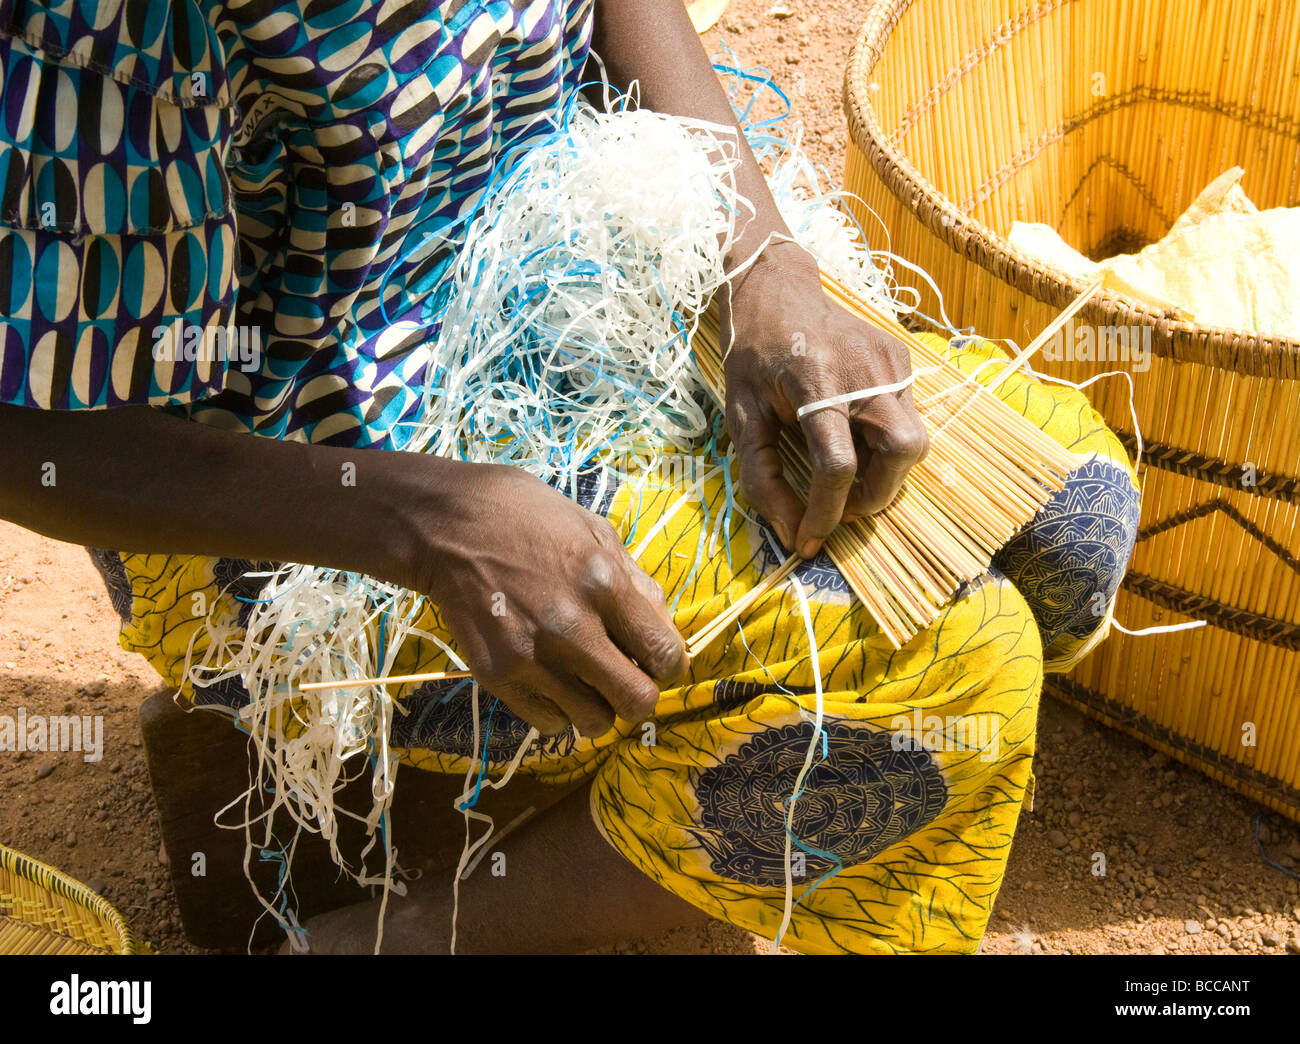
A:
{"x":654,"y":43}
{"x":136,"y":479}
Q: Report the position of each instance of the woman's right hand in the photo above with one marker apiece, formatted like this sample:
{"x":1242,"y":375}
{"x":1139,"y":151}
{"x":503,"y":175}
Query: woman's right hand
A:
{"x":545,"y":604}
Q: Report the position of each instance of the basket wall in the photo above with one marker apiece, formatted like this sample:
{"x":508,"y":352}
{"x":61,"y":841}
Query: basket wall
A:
{"x":1105,"y":119}
{"x":63,"y":915}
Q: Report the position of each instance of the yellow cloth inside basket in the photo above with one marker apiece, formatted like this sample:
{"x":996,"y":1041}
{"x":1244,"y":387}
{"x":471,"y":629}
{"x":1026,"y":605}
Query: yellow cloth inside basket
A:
{"x":1223,"y":263}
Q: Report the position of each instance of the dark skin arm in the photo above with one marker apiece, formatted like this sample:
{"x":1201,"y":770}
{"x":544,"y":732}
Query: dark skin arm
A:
{"x":585,"y":635}
{"x":860,"y":453}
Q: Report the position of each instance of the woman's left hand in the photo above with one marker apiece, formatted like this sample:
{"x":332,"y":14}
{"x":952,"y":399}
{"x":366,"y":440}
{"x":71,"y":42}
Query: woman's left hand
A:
{"x":792,"y":346}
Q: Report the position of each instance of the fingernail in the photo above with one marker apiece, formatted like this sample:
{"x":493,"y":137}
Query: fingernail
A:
{"x":810,"y":549}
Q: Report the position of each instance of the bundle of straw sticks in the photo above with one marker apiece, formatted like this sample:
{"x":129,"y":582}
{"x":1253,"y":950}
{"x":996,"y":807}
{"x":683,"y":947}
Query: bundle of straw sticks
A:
{"x":988,"y":472}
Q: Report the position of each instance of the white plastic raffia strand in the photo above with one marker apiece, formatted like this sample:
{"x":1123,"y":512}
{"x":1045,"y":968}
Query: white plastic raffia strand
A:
{"x":813,"y":744}
{"x":315,"y":625}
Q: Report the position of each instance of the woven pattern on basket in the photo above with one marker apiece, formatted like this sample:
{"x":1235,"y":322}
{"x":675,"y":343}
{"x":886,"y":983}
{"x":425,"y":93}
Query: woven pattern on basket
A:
{"x":1105,"y":119}
{"x":43,"y":910}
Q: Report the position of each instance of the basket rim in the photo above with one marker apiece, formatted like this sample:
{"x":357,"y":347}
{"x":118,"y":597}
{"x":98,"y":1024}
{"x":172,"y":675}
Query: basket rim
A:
{"x":1242,"y":351}
{"x":55,"y":880}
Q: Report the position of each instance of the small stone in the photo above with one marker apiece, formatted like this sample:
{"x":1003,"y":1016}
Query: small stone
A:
{"x":156,"y":894}
{"x":1149,"y":904}
{"x":1203,"y":852}
{"x":22,"y":646}
{"x":1269,"y":937}
{"x":1057,"y":838}
{"x":96,"y":885}
{"x":96,"y":687}
{"x":44,"y":769}
{"x":1293,"y":944}
{"x":1074,"y":819}
{"x":70,"y":840}
{"x":1192,"y":927}
{"x":1222,"y":929}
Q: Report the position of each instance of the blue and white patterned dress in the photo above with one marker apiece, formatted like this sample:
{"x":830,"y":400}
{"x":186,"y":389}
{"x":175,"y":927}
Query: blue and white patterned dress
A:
{"x":270,"y":167}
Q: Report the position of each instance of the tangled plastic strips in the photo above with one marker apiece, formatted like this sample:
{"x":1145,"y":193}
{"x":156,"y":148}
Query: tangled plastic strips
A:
{"x":566,"y":333}
{"x":314,"y":625}
{"x":819,"y":223}
{"x":564,"y":339}
{"x":815,"y":214}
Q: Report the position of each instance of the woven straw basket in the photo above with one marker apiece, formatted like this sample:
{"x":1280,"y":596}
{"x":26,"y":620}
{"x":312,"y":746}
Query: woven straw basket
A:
{"x":44,"y":911}
{"x":1105,"y":119}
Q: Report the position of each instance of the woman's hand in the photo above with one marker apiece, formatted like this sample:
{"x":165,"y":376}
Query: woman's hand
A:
{"x":861,"y":452}
{"x":793,"y":346}
{"x":548,"y":608}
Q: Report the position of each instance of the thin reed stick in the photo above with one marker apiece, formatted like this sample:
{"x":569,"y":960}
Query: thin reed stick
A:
{"x":392,"y":679}
{"x":705,"y":636}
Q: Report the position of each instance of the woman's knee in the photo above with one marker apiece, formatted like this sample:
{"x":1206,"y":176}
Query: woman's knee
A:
{"x":1069,"y":561}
